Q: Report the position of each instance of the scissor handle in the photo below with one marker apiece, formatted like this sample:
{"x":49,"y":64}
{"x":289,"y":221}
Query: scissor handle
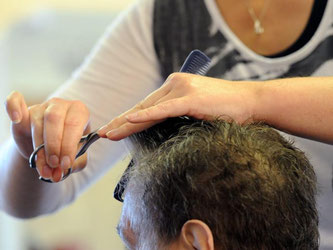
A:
{"x":88,"y":139}
{"x":32,"y":161}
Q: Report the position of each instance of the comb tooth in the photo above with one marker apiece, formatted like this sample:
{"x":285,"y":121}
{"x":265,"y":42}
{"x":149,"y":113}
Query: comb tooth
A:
{"x":198,"y":68}
{"x":195,"y":66}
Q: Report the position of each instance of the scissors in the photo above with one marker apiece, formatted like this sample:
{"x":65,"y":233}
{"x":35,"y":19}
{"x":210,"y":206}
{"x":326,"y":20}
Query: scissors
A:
{"x":87,"y":140}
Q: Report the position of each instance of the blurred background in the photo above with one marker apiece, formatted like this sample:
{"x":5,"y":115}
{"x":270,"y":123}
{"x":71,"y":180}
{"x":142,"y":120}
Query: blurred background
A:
{"x":41,"y":44}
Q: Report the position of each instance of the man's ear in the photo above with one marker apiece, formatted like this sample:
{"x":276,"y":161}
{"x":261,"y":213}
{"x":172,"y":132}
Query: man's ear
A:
{"x":195,"y":234}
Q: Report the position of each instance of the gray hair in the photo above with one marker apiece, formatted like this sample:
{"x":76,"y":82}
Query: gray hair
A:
{"x":254,"y":189}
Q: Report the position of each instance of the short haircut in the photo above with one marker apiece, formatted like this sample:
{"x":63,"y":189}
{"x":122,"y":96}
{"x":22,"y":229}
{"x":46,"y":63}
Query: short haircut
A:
{"x":252,"y":187}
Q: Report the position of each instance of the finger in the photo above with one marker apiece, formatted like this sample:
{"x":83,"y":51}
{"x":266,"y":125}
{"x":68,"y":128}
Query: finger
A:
{"x":46,"y":172}
{"x":147,"y":102}
{"x":74,"y":127}
{"x":22,"y":132}
{"x":57,"y":174}
{"x":37,"y":123}
{"x":13,"y":106}
{"x":54,"y":118}
{"x":163,"y":110}
{"x":121,"y":120}
{"x":42,"y":168}
{"x":18,"y":112}
{"x":128,"y":129}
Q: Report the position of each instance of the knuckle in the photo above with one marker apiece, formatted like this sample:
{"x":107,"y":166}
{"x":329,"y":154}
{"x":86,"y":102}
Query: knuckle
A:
{"x":164,"y":110}
{"x":174,"y":77}
{"x":55,"y":100}
{"x":52,"y":149}
{"x":32,"y":110}
{"x":53,"y":145}
{"x":73,"y":122}
{"x":81,"y":106}
{"x":35,"y":113}
{"x":140,"y":106}
{"x":128,"y":127}
{"x":78,"y":102}
{"x":146,"y":112}
{"x":180,"y":80}
{"x":52,"y":116}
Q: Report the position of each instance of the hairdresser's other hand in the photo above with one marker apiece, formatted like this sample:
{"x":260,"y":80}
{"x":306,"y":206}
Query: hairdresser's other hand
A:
{"x":186,"y":94}
{"x":58,"y":123}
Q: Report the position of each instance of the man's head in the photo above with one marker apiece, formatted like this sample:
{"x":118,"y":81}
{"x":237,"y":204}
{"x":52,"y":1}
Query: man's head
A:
{"x":200,"y":185}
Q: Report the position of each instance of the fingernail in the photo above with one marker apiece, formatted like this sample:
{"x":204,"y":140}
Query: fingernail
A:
{"x":54,"y":161}
{"x":101,"y":132}
{"x":112,"y":132}
{"x":16,"y":117}
{"x":46,"y":172}
{"x":65,"y":162}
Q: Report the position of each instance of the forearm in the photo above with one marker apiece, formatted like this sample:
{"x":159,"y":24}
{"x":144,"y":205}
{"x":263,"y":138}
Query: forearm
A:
{"x":302,"y":106}
{"x":22,"y":194}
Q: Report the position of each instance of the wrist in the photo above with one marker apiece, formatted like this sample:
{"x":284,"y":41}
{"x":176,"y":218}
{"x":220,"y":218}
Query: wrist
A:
{"x":259,"y":96}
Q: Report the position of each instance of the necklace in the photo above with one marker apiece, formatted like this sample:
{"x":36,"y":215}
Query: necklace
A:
{"x":257,"y":20}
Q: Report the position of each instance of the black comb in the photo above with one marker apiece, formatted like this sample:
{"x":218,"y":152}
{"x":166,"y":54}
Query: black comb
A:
{"x":196,"y":63}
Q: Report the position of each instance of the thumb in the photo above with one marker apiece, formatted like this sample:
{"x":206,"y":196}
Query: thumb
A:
{"x":18,"y":113}
{"x":23,"y":124}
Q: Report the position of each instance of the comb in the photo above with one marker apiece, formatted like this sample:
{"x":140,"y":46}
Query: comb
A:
{"x":196,"y":63}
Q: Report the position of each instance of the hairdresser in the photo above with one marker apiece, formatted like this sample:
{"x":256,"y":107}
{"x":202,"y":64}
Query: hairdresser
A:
{"x":271,"y":61}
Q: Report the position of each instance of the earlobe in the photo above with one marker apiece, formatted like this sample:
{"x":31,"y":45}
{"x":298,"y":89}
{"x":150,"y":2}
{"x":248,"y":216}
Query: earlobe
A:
{"x":196,"y":234}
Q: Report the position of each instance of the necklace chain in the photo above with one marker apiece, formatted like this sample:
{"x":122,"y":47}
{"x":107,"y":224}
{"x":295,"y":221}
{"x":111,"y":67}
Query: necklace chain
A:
{"x":257,"y":20}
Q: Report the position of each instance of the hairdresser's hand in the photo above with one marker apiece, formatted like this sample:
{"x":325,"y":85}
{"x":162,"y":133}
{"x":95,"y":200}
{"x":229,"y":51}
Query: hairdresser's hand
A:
{"x":58,"y":123}
{"x":186,"y":94}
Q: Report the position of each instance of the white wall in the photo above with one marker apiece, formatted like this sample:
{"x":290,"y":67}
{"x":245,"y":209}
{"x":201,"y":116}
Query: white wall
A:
{"x":10,"y":230}
{"x":12,"y":10}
